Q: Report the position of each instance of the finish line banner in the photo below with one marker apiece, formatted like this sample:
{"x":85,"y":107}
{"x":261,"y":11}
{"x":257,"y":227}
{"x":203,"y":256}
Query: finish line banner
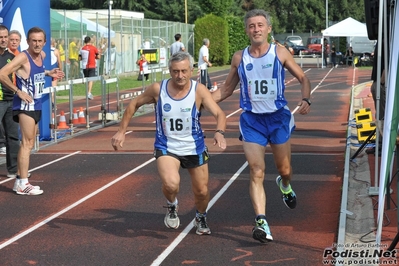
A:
{"x":21,"y":15}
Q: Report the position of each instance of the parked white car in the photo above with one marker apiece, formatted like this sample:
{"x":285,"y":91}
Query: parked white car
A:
{"x":294,"y":39}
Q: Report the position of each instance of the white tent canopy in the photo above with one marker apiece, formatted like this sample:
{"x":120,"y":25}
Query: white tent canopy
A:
{"x":93,"y":26}
{"x":348,"y":27}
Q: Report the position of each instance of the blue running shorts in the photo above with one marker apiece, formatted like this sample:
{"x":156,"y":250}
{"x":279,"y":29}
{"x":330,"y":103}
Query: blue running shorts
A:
{"x":274,"y":128}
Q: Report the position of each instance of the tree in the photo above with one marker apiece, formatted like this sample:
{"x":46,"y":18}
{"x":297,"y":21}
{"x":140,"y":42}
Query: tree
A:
{"x":219,"y":8}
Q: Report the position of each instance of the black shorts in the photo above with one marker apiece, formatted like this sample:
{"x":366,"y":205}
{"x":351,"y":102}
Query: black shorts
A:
{"x":89,"y":72}
{"x":36,"y":115}
{"x":189,"y":161}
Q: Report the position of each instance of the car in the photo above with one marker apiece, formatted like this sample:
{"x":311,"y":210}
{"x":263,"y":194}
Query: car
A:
{"x":296,"y":49}
{"x":314,"y":44}
{"x":294,"y":39}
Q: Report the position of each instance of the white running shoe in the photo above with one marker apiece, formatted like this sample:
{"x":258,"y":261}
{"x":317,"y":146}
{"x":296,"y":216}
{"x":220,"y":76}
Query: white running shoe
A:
{"x":90,"y":96}
{"x":17,"y":182}
{"x":27,"y":189}
{"x":171,"y":219}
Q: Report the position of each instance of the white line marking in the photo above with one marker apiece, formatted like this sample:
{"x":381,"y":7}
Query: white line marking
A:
{"x":190,"y":226}
{"x":45,"y":221}
{"x":43,"y":165}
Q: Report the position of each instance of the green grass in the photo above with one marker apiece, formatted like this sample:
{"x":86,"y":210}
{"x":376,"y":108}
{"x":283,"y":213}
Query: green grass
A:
{"x":126,"y":82}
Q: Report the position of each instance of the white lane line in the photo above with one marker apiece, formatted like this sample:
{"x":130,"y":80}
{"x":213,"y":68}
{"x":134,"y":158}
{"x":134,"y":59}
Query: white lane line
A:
{"x":315,"y":88}
{"x":45,"y":221}
{"x":190,"y":226}
{"x":43,"y":165}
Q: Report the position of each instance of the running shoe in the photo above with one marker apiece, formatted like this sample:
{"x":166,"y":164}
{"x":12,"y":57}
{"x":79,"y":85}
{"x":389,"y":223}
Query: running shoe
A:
{"x":289,"y":198}
{"x":171,"y":219}
{"x":202,"y":225}
{"x":90,"y":96}
{"x":17,"y":182}
{"x":261,"y":231}
{"x":27,"y":189}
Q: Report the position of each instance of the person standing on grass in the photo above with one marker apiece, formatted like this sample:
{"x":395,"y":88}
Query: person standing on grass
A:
{"x":88,"y":55}
{"x":143,"y":68}
{"x":27,"y":103}
{"x":179,"y":139}
{"x":266,"y":118}
{"x":204,"y":63}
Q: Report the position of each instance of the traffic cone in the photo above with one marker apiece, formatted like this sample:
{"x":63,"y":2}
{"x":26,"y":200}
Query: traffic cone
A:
{"x":62,"y":122}
{"x":82,"y":118}
{"x":75,"y":120}
{"x":214,"y":87}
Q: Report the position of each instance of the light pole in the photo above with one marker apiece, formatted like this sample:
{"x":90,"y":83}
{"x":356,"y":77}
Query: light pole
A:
{"x":326,"y":14}
{"x":109,"y":37}
{"x":185,"y":10}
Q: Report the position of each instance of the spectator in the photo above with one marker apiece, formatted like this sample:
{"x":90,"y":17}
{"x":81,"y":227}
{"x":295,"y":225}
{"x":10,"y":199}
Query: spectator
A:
{"x":349,"y":56}
{"x":333,"y":56}
{"x":325,"y":51}
{"x":177,"y":46}
{"x":61,"y":48}
{"x":27,"y":103}
{"x":204,"y":63}
{"x":9,"y":128}
{"x":143,"y":67}
{"x":73,"y":58}
{"x":55,"y":59}
{"x":14,"y":40}
{"x":88,"y":55}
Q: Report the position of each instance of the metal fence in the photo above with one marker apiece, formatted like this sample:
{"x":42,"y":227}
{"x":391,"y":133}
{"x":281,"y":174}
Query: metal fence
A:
{"x":128,"y":36}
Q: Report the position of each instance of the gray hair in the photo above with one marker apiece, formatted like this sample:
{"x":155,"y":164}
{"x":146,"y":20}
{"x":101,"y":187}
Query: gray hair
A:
{"x":15,"y":32}
{"x":181,"y":56}
{"x":258,"y":12}
{"x":205,"y":41}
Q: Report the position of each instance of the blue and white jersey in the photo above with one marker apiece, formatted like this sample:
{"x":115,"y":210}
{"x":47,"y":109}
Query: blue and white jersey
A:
{"x":178,"y":128}
{"x":262,"y":82}
{"x":33,"y":86}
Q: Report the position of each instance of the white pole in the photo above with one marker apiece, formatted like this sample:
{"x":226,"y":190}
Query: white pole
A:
{"x":326,"y":14}
{"x":109,"y":38}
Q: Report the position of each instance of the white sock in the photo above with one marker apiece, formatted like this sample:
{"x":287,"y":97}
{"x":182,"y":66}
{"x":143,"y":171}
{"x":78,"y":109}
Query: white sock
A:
{"x":172,"y":203}
{"x":23,"y":181}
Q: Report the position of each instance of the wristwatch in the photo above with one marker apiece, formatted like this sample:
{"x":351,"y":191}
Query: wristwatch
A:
{"x":307,"y":100}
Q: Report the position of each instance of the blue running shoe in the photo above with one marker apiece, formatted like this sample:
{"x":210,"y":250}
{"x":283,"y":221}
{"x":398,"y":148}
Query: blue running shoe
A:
{"x":261,"y":231}
{"x":289,"y":198}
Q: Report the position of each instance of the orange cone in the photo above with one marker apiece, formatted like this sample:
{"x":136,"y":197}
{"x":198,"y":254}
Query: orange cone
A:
{"x":75,"y":120}
{"x":82,"y":118}
{"x":215,"y":86}
{"x":62,"y":122}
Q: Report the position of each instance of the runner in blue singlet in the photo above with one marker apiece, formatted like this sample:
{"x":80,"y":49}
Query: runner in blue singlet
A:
{"x":266,"y":119}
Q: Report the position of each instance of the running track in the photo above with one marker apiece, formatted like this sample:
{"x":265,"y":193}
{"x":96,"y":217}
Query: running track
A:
{"x":102,"y":207}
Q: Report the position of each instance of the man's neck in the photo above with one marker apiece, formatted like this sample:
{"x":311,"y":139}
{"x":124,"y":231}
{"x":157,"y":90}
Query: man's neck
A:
{"x":2,"y":51}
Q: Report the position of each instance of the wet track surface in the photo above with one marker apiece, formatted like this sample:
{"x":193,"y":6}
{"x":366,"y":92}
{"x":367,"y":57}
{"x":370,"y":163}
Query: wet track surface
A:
{"x":102,"y":207}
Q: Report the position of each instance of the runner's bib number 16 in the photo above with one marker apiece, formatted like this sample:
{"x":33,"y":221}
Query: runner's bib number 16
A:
{"x":262,"y":89}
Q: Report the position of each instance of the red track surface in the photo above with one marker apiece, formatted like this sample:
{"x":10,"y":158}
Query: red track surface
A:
{"x":102,"y":207}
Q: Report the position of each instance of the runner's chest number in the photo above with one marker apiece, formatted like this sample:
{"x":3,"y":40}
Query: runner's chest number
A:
{"x":263,"y":89}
